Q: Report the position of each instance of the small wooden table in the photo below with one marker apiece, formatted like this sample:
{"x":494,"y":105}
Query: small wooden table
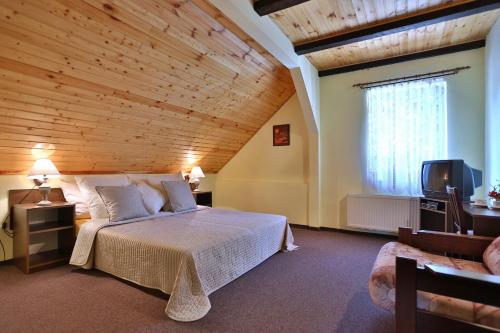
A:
{"x":31,"y":221}
{"x":203,"y":198}
{"x":484,"y":221}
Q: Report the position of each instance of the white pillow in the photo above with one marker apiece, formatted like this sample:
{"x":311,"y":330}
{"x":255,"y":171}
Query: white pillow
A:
{"x":73,"y":195}
{"x":180,"y":197}
{"x":122,"y":202}
{"x":154,"y":180}
{"x":87,"y":184}
{"x":153,"y":198}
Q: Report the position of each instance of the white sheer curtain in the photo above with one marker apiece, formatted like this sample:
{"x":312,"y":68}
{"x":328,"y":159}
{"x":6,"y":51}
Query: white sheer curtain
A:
{"x":405,"y":125}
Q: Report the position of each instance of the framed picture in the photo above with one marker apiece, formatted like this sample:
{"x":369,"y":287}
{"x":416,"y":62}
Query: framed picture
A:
{"x":281,"y":135}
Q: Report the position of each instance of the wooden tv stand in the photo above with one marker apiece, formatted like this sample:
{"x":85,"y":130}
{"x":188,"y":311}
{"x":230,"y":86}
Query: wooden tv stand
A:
{"x":435,"y":215}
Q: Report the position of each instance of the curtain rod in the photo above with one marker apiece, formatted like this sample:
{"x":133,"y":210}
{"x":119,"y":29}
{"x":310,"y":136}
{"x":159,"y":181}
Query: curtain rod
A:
{"x":442,"y":73}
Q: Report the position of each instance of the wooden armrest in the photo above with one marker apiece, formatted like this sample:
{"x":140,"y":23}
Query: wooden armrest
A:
{"x":471,"y":286}
{"x":488,"y":279}
{"x":445,"y":242}
{"x":436,"y":279}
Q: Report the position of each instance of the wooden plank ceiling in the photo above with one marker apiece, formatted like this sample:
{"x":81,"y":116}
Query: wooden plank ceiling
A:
{"x":130,"y":85}
{"x":317,"y":19}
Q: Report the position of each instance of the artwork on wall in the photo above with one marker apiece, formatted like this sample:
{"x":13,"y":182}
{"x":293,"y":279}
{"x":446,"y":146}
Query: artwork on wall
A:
{"x":281,"y":135}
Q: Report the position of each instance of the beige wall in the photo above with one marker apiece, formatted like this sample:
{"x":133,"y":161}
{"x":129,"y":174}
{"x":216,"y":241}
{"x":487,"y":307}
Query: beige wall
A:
{"x":492,"y":122}
{"x":9,"y":183}
{"x":269,"y":179}
{"x":342,"y":120}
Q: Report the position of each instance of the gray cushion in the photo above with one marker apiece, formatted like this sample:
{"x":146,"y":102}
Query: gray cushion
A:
{"x":122,"y":202}
{"x":179,"y":195}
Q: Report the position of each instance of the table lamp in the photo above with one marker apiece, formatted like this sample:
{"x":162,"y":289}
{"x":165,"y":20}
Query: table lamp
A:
{"x":194,"y":177}
{"x":42,"y":170}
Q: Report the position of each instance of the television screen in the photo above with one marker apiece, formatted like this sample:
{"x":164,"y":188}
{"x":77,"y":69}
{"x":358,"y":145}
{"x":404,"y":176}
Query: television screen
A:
{"x":436,"y":176}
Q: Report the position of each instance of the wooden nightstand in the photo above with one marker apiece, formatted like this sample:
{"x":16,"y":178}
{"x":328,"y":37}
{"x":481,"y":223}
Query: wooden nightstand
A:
{"x":30,"y":221}
{"x":203,"y":198}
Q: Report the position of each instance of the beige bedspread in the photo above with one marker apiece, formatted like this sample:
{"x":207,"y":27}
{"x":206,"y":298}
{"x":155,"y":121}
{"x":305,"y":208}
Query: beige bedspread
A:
{"x":187,"y":255}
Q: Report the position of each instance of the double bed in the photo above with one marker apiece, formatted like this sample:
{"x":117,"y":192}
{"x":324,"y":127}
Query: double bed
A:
{"x":187,"y":255}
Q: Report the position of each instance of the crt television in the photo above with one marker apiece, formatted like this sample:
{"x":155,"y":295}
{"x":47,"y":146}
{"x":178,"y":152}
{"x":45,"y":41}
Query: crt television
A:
{"x":438,"y":174}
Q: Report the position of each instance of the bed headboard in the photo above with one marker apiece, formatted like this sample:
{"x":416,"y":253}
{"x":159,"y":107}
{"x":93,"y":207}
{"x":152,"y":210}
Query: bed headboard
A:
{"x":31,"y":196}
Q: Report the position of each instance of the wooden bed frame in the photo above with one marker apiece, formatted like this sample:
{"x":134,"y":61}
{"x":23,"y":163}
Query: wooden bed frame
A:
{"x":471,"y":286}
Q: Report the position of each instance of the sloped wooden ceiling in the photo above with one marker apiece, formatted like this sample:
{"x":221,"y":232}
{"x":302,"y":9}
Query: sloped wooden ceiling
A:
{"x":130,"y":85}
{"x":317,"y":19}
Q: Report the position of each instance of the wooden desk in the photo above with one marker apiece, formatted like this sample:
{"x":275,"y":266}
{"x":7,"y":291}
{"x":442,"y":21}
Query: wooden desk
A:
{"x":484,"y":221}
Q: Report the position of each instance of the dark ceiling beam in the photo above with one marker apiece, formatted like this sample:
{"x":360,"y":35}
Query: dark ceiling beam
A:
{"x":266,"y":7}
{"x":400,"y":25}
{"x":407,"y":57}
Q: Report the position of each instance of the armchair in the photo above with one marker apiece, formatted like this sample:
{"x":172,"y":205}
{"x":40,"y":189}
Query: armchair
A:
{"x":431,"y":292}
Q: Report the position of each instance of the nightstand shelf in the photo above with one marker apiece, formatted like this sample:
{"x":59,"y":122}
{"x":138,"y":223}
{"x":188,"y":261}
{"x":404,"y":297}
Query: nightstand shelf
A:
{"x":47,"y":259}
{"x":203,"y":198}
{"x":32,"y":222}
{"x":39,"y":228}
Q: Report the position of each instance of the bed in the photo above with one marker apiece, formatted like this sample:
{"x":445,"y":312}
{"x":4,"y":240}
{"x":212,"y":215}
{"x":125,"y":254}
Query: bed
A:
{"x":187,"y":255}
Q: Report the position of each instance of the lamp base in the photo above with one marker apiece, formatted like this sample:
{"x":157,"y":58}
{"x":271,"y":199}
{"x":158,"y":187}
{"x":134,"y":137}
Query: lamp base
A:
{"x":44,"y":191}
{"x":44,"y":203}
{"x":195,"y":183}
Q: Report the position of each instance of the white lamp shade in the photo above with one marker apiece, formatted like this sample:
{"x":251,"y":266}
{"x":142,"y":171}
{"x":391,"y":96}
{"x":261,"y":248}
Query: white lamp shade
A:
{"x":196,"y":172}
{"x":43,"y":168}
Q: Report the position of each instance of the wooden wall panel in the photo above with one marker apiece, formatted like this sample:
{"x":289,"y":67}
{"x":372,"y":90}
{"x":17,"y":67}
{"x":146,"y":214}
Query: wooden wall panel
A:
{"x":127,"y":85}
{"x":467,"y":29}
{"x":317,"y":19}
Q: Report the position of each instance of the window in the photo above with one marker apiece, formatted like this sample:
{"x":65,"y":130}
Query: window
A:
{"x":405,"y":125}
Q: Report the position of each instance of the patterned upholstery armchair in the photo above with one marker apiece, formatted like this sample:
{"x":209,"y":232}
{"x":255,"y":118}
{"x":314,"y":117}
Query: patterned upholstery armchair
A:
{"x":430,"y":291}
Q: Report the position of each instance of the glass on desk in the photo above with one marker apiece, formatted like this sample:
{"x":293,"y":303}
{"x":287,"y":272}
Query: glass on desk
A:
{"x":493,"y":203}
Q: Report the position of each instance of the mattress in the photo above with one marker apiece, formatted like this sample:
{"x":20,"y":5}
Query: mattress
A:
{"x":79,"y":223}
{"x":187,"y":255}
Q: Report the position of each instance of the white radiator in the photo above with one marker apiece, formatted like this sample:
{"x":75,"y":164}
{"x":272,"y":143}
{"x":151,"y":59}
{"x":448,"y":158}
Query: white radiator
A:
{"x":382,"y":213}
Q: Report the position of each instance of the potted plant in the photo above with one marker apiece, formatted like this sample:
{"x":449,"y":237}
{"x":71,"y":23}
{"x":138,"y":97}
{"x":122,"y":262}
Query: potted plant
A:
{"x":494,"y":197}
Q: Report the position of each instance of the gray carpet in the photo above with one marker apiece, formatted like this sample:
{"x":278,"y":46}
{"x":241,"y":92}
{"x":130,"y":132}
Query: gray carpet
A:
{"x":323,"y":287}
